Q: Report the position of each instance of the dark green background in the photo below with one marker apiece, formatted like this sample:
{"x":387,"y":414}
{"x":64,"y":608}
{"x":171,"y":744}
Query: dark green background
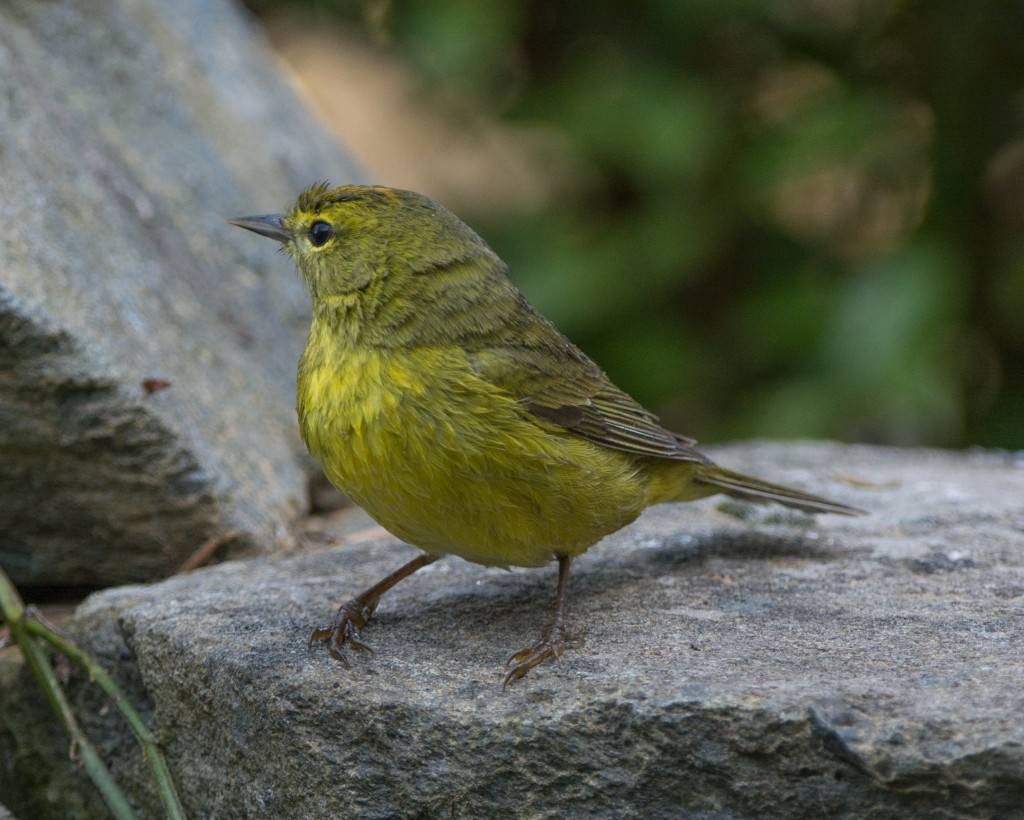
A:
{"x":799,"y":218}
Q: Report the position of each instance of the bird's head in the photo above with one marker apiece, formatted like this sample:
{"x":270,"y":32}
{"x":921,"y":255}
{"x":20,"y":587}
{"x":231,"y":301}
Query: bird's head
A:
{"x":349,"y":238}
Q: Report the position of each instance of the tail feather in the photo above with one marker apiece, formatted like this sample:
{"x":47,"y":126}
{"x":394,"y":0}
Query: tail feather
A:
{"x":754,"y":489}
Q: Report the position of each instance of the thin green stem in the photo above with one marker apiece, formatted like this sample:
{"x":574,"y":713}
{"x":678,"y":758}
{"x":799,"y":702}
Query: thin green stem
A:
{"x":26,"y":627}
{"x":11,"y":607}
{"x":13,"y":611}
{"x":98,"y":675}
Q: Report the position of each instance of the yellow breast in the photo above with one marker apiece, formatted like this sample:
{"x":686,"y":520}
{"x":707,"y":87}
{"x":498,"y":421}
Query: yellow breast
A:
{"x":452,"y":464}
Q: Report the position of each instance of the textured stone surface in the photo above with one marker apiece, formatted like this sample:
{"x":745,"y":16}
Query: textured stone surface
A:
{"x":131,"y":131}
{"x":726,"y":660}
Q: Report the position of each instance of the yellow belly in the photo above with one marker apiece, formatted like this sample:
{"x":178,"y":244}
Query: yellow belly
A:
{"x":451,"y":464}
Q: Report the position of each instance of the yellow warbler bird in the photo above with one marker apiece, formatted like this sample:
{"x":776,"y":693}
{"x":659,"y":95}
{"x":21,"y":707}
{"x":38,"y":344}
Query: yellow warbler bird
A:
{"x":457,"y":415}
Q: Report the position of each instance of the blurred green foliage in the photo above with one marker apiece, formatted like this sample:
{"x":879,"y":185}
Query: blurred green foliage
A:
{"x":792,"y":218}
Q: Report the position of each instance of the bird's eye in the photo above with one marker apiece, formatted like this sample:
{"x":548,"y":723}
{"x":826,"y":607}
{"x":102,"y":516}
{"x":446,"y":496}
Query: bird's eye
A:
{"x":319,"y":233}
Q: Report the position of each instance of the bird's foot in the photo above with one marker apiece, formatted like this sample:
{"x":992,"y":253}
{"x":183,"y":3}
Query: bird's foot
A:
{"x":549,"y":646}
{"x":350,"y":618}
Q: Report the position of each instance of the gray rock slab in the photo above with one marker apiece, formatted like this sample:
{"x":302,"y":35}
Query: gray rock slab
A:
{"x":725,"y":660}
{"x":129,"y":132}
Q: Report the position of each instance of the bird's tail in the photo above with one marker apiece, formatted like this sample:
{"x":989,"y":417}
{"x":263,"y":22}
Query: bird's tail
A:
{"x":754,"y":489}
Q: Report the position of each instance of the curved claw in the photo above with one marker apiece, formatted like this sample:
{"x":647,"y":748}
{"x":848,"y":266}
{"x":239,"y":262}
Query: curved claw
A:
{"x":344,"y":630}
{"x":353,"y":616}
{"x":549,"y":646}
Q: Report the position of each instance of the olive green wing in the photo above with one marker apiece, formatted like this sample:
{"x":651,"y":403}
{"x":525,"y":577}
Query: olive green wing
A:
{"x":557,"y":382}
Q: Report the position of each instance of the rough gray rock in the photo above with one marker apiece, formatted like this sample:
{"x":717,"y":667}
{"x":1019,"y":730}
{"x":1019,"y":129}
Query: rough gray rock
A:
{"x":726,"y":661}
{"x":131,"y":131}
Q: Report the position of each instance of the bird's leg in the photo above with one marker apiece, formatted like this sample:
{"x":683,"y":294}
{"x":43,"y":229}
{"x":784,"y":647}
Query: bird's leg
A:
{"x":353,"y":616}
{"x":550,"y":643}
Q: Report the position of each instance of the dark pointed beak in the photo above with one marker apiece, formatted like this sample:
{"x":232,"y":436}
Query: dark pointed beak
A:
{"x":271,"y":225}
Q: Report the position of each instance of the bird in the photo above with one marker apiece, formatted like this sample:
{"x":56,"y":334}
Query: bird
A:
{"x":439,"y":400}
